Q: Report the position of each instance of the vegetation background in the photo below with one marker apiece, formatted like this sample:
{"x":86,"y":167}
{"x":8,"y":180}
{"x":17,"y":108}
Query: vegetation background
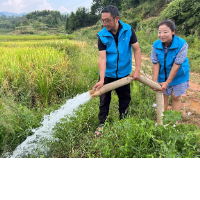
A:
{"x":41,"y":67}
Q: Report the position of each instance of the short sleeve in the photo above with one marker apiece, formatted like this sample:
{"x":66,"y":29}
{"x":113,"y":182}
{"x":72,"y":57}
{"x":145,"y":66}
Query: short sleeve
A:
{"x":154,"y":58}
{"x":101,"y":46}
{"x":182,"y":54}
{"x":133,"y":36}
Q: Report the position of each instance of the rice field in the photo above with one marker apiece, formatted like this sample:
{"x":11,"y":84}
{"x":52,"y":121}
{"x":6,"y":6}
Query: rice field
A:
{"x":4,"y":38}
{"x":37,"y":74}
{"x":41,"y":67}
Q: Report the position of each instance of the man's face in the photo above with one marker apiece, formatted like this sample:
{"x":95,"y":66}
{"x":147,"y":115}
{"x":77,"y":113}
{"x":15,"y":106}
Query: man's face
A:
{"x":109,"y":22}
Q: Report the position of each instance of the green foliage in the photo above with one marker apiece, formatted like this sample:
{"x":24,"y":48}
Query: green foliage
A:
{"x":16,"y":122}
{"x":140,"y":138}
{"x":51,"y":18}
{"x":22,"y":105}
{"x":82,"y":18}
{"x":25,"y":22}
{"x":34,"y":22}
{"x":116,"y":3}
{"x":44,"y":34}
{"x":185,"y":13}
{"x":10,"y":22}
{"x":135,"y":136}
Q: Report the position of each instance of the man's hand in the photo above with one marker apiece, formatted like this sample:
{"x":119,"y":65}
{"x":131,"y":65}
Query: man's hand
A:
{"x":98,"y":85}
{"x":135,"y":75}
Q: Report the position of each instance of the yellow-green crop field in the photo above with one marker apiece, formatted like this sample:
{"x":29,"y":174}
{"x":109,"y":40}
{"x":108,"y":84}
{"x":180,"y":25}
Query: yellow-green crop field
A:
{"x":40,"y":67}
{"x":37,"y":75}
{"x":33,"y":37}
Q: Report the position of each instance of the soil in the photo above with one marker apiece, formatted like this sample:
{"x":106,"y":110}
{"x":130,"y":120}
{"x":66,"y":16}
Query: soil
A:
{"x":190,"y":101}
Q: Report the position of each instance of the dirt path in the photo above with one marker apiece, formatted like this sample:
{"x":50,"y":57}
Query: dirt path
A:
{"x":190,"y":101}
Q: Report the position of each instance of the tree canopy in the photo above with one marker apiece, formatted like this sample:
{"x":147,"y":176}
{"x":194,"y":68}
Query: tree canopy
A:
{"x":185,"y":13}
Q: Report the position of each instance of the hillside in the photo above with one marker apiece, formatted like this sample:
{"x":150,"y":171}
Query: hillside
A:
{"x":7,"y":14}
{"x":36,"y":22}
{"x":138,"y":13}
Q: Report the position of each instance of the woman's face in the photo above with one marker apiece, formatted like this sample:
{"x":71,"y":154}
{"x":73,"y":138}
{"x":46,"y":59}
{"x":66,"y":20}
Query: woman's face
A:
{"x":165,"y":34}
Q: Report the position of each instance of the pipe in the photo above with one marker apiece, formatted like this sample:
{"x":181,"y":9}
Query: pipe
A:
{"x":129,"y":79}
{"x":122,"y":82}
{"x":111,"y":86}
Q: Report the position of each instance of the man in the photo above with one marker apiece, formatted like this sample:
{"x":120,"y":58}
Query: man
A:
{"x":115,"y":43}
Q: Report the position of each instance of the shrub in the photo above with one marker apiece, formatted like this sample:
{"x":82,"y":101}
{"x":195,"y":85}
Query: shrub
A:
{"x":44,"y":34}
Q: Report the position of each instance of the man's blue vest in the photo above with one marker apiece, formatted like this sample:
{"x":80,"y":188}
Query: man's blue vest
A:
{"x":166,"y":64}
{"x":118,"y":59}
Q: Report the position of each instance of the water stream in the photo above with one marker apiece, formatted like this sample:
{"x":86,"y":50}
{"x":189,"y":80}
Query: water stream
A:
{"x":36,"y":142}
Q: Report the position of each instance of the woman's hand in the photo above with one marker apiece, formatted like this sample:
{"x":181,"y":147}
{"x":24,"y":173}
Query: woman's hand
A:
{"x":164,"y":86}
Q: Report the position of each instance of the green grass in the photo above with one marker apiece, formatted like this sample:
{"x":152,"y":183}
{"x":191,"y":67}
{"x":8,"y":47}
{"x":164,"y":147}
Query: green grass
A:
{"x":36,"y":78}
{"x":136,"y":136}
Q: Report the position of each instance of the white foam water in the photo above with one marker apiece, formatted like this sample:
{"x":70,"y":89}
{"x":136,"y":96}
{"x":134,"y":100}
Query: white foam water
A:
{"x":36,"y":142}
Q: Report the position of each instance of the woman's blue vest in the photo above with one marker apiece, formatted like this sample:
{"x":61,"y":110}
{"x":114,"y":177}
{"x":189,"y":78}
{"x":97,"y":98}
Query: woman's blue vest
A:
{"x":118,"y":59}
{"x":166,"y":64}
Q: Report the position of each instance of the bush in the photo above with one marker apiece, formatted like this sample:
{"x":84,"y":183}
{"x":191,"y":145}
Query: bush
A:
{"x":44,"y":34}
{"x":136,"y":136}
{"x":140,"y":138}
{"x":185,"y":13}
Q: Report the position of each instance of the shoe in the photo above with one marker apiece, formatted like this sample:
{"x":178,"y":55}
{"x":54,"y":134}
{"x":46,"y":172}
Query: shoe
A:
{"x":98,"y":132}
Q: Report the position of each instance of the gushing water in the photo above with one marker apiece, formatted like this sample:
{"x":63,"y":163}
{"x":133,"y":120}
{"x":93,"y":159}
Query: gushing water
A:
{"x":44,"y":133}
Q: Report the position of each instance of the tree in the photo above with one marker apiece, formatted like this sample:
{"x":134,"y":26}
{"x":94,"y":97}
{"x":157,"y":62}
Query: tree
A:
{"x":185,"y":13}
{"x":25,"y":22}
{"x":71,"y":23}
{"x":96,"y":7}
{"x":116,"y":3}
{"x":50,"y":20}
{"x":67,"y":22}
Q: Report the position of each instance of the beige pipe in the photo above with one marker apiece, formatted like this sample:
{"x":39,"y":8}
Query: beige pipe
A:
{"x":122,"y":82}
{"x":127,"y":80}
{"x":111,"y":86}
{"x":160,"y":107}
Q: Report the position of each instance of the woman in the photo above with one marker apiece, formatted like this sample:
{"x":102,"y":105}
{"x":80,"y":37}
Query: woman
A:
{"x":170,"y":64}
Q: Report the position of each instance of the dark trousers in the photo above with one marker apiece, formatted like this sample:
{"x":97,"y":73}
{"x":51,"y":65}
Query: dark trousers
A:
{"x":124,"y":100}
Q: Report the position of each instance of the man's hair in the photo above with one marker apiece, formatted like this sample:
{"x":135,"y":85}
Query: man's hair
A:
{"x":113,"y":10}
{"x":168,"y":23}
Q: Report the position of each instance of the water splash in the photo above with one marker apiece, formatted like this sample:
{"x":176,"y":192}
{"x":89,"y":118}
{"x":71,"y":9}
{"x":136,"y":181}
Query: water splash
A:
{"x":36,"y":142}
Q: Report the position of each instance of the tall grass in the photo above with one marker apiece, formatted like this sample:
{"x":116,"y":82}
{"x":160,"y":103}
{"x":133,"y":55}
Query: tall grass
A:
{"x":35,"y":78}
{"x":42,"y":68}
{"x":39,"y":71}
{"x":33,"y":37}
